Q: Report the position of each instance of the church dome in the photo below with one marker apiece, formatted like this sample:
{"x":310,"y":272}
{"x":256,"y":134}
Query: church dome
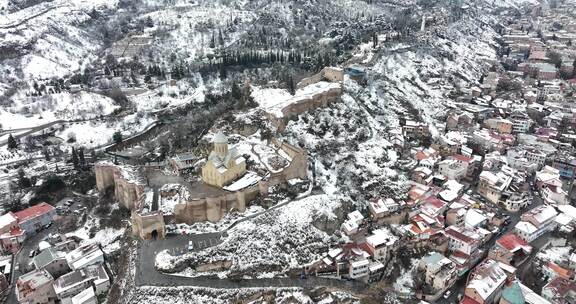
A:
{"x":220,"y":138}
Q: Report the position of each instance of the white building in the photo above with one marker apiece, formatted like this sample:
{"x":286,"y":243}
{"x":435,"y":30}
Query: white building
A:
{"x":359,"y":269}
{"x":453,"y":169}
{"x":463,"y":239}
{"x":536,"y":222}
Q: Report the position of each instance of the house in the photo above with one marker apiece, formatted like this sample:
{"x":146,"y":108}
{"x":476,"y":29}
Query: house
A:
{"x":492,"y":185}
{"x":475,"y":218}
{"x":85,"y":297}
{"x":73,"y":283}
{"x":413,"y":129}
{"x":553,"y":270}
{"x":566,"y":165}
{"x":514,"y":201}
{"x":440,"y":273}
{"x":5,"y":272}
{"x":510,"y":249}
{"x":536,"y":222}
{"x":183,"y":162}
{"x":11,"y":236}
{"x":223,"y":166}
{"x":35,"y":287}
{"x":52,"y":261}
{"x":485,"y":283}
{"x":381,"y":243}
{"x":521,"y":122}
{"x":34,"y":218}
{"x":453,"y":169}
{"x":531,"y":297}
{"x":85,"y":256}
{"x":512,"y":293}
{"x":501,"y":125}
{"x":459,"y":120}
{"x":378,"y":208}
{"x":560,"y":291}
{"x":463,"y":239}
{"x":359,"y":269}
{"x":548,"y":177}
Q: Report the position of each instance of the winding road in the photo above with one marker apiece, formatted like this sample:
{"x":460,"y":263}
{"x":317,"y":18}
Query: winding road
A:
{"x":147,"y":275}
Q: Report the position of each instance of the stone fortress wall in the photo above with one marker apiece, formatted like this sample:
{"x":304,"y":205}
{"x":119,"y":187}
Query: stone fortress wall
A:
{"x":310,"y":102}
{"x":130,"y":192}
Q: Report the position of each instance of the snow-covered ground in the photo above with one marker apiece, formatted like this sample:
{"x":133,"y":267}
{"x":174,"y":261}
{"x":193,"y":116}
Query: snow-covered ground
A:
{"x":269,"y":244}
{"x":30,"y":112}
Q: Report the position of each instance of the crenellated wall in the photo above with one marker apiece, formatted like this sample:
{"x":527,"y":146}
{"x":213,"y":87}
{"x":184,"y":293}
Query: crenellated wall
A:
{"x":128,"y":191}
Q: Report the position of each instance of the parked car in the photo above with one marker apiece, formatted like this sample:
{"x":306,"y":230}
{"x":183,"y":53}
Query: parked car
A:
{"x":447,"y":294}
{"x":190,"y":245}
{"x":32,"y":253}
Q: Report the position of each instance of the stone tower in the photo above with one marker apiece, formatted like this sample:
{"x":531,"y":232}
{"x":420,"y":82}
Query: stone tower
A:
{"x":221,"y":144}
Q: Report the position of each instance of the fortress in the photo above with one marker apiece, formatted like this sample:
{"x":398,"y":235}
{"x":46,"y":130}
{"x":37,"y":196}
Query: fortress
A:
{"x":225,"y":185}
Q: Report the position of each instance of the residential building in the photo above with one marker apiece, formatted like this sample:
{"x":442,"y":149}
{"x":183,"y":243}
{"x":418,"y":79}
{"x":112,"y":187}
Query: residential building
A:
{"x":359,"y":269}
{"x":73,"y":283}
{"x":536,"y":222}
{"x":560,"y":291}
{"x":566,"y":165}
{"x":85,"y":256}
{"x":52,"y":261}
{"x":381,"y":243}
{"x":453,"y":169}
{"x":485,"y":283}
{"x":35,"y":287}
{"x":510,"y":249}
{"x":11,"y":236}
{"x":34,"y":218}
{"x":521,"y":122}
{"x":85,"y":297}
{"x":501,"y":125}
{"x":463,"y":239}
{"x":492,"y":185}
{"x":413,"y":129}
{"x":440,"y":272}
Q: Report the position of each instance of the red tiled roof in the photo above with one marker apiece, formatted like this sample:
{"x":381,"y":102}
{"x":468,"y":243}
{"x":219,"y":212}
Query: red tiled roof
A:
{"x":512,"y":242}
{"x":561,"y":286}
{"x":33,"y":212}
{"x":468,"y":300}
{"x":459,"y":235}
{"x":561,"y":272}
{"x":462,"y":158}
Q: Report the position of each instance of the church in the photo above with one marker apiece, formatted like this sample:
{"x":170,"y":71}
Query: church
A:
{"x":223,"y":165}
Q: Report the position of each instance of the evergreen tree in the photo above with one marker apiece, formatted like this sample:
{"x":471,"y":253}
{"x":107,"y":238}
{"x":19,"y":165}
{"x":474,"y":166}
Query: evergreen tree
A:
{"x":12,"y":143}
{"x":212,"y":42}
{"x":236,"y":92}
{"x":223,"y":72}
{"x":93,"y":156}
{"x":81,"y":157}
{"x":220,"y":37}
{"x":374,"y":40}
{"x":291,"y":85}
{"x":75,"y":160}
{"x":46,"y":154}
{"x":117,"y":137}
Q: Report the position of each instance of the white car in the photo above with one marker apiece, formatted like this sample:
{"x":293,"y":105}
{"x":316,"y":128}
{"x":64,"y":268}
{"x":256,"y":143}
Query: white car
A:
{"x":190,"y":246}
{"x":447,"y":294}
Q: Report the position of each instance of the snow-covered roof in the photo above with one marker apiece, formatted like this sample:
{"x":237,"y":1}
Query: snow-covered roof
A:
{"x":541,"y":214}
{"x":249,"y":179}
{"x":487,"y":278}
{"x":356,"y":216}
{"x":474,"y":218}
{"x":381,"y":237}
{"x":525,"y":227}
{"x":7,"y":220}
{"x":568,"y":210}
